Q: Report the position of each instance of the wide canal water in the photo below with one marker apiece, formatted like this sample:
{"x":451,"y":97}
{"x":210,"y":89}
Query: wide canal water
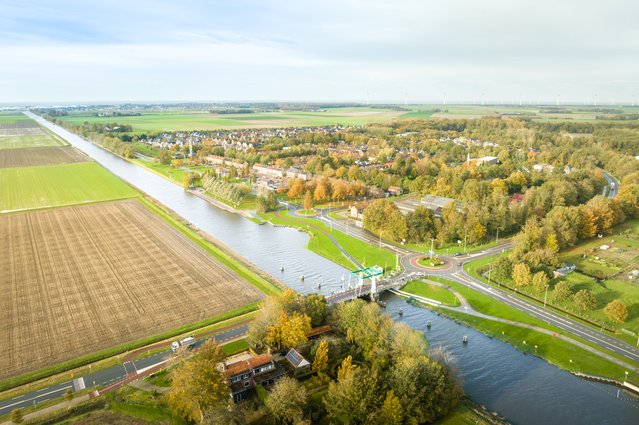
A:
{"x":522,"y":388}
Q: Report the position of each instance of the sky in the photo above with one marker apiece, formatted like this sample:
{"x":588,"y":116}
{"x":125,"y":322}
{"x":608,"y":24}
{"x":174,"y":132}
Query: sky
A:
{"x":398,"y":51}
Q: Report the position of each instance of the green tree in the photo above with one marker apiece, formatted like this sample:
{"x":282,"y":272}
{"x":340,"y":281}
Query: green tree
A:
{"x":391,"y":412}
{"x":308,"y":201}
{"x":316,"y":307}
{"x":187,"y":179}
{"x":197,"y":385}
{"x":353,"y":399}
{"x":540,"y":281}
{"x":616,"y":310}
{"x":224,"y":414}
{"x":585,"y":300}
{"x":345,"y":368}
{"x":320,"y":361}
{"x":562,"y":291}
{"x":521,"y":275}
{"x":287,"y":401}
{"x":68,"y":396}
{"x":374,"y":218}
{"x":420,"y":225}
{"x":16,"y":416}
{"x":503,"y":268}
{"x":426,"y":389}
{"x":408,"y":342}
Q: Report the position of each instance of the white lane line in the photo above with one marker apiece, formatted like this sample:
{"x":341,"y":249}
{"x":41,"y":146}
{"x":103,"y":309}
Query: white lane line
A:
{"x":38,"y":396}
{"x":592,"y":337}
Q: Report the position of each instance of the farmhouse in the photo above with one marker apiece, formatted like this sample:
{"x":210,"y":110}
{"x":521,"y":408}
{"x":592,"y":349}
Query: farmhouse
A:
{"x":394,"y":191}
{"x":565,"y":270}
{"x":437,"y":203}
{"x":357,"y":211}
{"x":244,"y":375}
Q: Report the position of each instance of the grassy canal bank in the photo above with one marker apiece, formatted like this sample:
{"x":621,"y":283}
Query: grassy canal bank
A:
{"x":556,"y":351}
{"x":321,"y":243}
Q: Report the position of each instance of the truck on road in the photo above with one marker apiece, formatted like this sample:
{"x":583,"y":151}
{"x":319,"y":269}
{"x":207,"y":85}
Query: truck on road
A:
{"x":185,"y":342}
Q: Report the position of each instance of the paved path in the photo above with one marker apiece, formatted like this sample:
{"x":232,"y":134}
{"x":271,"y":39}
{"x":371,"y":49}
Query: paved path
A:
{"x":331,"y":237}
{"x":457,"y":274}
{"x":466,"y":308}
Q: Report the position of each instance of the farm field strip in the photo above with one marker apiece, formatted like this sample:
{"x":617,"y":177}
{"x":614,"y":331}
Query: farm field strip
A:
{"x":184,"y":121}
{"x":25,"y":133}
{"x":79,"y":279}
{"x":59,"y":185}
{"x":30,"y":157}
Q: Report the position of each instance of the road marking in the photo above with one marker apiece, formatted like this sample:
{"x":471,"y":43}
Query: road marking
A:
{"x":38,"y":396}
{"x":576,"y":328}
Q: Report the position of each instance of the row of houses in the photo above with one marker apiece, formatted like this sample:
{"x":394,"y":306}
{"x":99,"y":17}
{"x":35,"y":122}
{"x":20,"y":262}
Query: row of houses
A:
{"x":279,"y":173}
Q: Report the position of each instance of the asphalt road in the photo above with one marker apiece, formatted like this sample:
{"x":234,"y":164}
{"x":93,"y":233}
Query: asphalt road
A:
{"x":612,"y":191}
{"x":108,"y":376}
{"x":456,"y":273}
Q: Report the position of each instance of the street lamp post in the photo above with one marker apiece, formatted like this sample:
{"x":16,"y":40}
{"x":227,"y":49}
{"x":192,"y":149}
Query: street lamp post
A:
{"x":497,"y":238}
{"x":546,"y":295}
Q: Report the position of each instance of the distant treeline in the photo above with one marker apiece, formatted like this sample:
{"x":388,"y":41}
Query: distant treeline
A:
{"x":231,"y":111}
{"x":619,"y":117}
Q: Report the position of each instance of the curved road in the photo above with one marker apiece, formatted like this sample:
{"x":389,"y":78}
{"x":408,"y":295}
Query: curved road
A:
{"x":459,"y":275}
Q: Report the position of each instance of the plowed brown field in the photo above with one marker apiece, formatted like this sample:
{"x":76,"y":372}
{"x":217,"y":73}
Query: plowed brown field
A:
{"x":80,"y":279}
{"x":29,"y":157}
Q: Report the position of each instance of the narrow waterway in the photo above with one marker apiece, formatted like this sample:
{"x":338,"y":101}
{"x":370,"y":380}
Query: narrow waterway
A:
{"x":522,"y":388}
{"x":267,"y":246}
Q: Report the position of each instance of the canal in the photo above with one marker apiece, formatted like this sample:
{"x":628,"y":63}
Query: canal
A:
{"x":522,"y":388}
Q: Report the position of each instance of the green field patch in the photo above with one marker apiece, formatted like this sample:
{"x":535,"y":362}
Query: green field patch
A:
{"x":430,"y":291}
{"x":185,"y":121}
{"x":604,"y":292}
{"x":59,"y":185}
{"x":35,"y":141}
{"x":13,"y":118}
{"x":235,"y":347}
{"x":321,"y":244}
{"x":554,"y":350}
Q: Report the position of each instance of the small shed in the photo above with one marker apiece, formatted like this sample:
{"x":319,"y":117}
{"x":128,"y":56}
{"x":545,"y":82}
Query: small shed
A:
{"x":296,"y":360}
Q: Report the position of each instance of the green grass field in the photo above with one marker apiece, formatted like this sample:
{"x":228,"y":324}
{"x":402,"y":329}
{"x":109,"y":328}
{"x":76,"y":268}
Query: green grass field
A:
{"x":321,"y":244}
{"x":58,"y":185}
{"x":554,"y":350}
{"x":18,"y":142}
{"x":430,"y":291}
{"x":173,"y":121}
{"x":202,"y":120}
{"x":12,"y":118}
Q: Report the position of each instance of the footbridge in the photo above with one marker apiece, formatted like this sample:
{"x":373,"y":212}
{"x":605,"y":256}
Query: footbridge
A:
{"x":367,"y":282}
